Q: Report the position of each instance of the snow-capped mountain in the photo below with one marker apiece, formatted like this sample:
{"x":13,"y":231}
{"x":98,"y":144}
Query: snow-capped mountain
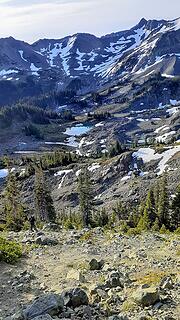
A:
{"x":149,"y":47}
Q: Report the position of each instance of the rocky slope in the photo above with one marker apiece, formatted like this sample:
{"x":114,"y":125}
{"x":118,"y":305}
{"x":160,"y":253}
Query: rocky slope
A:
{"x":92,"y":275}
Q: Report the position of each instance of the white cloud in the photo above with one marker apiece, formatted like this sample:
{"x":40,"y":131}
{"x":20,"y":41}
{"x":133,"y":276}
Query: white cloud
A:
{"x":33,"y":19}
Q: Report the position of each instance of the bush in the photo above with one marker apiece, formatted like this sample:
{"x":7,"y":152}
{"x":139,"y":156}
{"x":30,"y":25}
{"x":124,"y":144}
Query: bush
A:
{"x":177,"y":231}
{"x":68,"y":225}
{"x":133,"y":232}
{"x":2,"y":227}
{"x":10,"y":251}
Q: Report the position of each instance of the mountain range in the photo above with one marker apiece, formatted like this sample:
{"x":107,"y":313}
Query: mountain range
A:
{"x":149,"y":47}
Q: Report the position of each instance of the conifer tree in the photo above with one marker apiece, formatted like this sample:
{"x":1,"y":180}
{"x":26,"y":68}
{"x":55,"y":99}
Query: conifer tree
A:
{"x":163,"y":203}
{"x":85,"y":196}
{"x":150,"y":207}
{"x":148,"y":215}
{"x":175,"y":214}
{"x":43,"y":201}
{"x":14,"y":211}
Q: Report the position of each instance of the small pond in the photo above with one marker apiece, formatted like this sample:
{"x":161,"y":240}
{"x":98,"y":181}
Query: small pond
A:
{"x":77,"y":130}
{"x":3,"y":173}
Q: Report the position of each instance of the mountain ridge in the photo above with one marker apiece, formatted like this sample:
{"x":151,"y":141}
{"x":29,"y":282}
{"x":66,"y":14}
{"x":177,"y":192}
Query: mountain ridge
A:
{"x":151,"y":46}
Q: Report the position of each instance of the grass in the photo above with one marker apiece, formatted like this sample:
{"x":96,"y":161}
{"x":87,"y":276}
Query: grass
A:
{"x":129,"y":305}
{"x":152,"y":277}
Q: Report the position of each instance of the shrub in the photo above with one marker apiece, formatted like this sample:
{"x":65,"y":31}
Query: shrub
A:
{"x":68,"y":225}
{"x":2,"y":227}
{"x":133,"y":232}
{"x":10,"y":251}
{"x":177,"y":231}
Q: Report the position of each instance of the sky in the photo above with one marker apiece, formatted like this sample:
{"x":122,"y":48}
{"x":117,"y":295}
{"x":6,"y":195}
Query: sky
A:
{"x":30,"y":20}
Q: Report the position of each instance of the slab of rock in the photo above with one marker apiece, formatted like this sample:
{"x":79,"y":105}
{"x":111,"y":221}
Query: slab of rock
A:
{"x":75,"y":297}
{"x":146,"y":296}
{"x":75,"y":275}
{"x":45,"y":241}
{"x":50,"y":304}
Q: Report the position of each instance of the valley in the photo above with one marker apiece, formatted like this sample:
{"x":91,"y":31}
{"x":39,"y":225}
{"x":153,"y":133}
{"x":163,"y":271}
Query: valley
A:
{"x":90,"y":151}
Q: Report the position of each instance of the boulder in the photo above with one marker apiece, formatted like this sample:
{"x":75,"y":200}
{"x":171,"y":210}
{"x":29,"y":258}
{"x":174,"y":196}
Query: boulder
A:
{"x":146,"y":296}
{"x":51,"y":227}
{"x":96,"y":265}
{"x":75,"y":297}
{"x":50,"y":304}
{"x":45,"y":241}
{"x":114,"y":280}
{"x":75,"y":275}
{"x":43,"y":317}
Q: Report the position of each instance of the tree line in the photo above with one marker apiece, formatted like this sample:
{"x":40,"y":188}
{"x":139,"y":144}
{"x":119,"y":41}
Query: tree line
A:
{"x":158,"y":212}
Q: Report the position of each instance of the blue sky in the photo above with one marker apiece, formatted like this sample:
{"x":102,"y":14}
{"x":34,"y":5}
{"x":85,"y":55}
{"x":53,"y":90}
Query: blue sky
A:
{"x":30,"y":20}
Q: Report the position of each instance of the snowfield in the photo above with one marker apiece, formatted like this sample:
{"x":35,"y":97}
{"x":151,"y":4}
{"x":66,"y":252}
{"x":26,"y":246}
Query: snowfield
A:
{"x":148,"y":154}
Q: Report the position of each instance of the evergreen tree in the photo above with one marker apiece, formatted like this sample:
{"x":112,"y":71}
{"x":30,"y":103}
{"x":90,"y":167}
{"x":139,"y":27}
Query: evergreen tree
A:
{"x":85,"y":196}
{"x":120,"y":210}
{"x":144,"y":222}
{"x":148,"y":215}
{"x":14,"y":211}
{"x":43,"y":201}
{"x":175,"y":214}
{"x":150,"y":207}
{"x":163,"y":203}
{"x":155,"y":226}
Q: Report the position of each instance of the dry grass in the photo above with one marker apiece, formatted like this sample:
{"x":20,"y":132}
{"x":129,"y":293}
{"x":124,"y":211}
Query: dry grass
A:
{"x":152,"y":277}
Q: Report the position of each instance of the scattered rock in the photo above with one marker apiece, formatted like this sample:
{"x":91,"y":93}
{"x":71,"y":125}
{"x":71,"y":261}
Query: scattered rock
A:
{"x":51,"y":227}
{"x":75,"y":275}
{"x":146,"y":296}
{"x":114,"y":279}
{"x":166,"y":283}
{"x":50,"y":304}
{"x":43,"y":317}
{"x":75,"y":297}
{"x":96,"y":265}
{"x":45,"y":241}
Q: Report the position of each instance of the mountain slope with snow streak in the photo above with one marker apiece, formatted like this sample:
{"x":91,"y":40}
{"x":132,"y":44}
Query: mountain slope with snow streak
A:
{"x":149,"y":47}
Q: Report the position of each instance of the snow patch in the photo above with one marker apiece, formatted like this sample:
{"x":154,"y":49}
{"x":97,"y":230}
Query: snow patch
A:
{"x":63,"y":174}
{"x":94,"y":167}
{"x":21,"y":54}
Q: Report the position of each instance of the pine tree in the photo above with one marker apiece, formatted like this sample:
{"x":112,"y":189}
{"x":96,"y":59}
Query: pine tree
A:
{"x":148,"y":214}
{"x":163,"y":203}
{"x":14,"y":211}
{"x":85,"y":196}
{"x":120,"y":210}
{"x":150,"y":207}
{"x":43,"y":201}
{"x":144,"y":223}
{"x":175,"y":214}
{"x":155,"y":226}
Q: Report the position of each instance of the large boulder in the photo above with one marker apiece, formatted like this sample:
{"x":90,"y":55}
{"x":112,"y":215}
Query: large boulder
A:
{"x":146,"y":296}
{"x":75,"y":297}
{"x":50,"y":304}
{"x":45,"y":241}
